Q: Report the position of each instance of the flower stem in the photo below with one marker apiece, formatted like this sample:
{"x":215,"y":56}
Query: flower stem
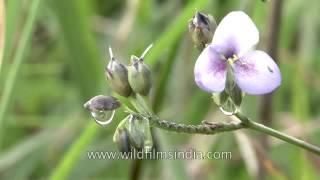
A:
{"x":215,"y":128}
{"x":272,"y":132}
{"x":194,"y":129}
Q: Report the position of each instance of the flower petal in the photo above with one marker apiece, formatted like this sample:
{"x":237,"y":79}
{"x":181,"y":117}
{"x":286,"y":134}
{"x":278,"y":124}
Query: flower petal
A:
{"x":237,"y":33}
{"x":210,"y":70}
{"x":256,"y":73}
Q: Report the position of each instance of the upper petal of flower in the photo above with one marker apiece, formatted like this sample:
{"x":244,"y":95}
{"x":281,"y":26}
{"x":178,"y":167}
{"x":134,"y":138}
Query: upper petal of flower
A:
{"x":256,"y":73}
{"x":236,"y":31}
{"x":210,"y":70}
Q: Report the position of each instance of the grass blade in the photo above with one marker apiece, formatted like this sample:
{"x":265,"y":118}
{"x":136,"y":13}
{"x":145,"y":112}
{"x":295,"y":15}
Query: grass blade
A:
{"x":17,"y":61}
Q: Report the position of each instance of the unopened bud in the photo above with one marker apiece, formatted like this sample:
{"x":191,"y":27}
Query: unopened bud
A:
{"x":139,"y":75}
{"x":230,"y":82}
{"x":121,"y":138}
{"x":139,"y":133}
{"x":102,"y":108}
{"x":201,"y":28}
{"x":117,"y":76}
{"x":102,"y":103}
{"x":236,"y":95}
{"x":232,"y":89}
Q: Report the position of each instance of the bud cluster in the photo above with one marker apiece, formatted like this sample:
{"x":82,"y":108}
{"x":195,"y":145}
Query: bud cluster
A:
{"x":125,"y":80}
{"x":132,"y":80}
{"x":133,"y":132}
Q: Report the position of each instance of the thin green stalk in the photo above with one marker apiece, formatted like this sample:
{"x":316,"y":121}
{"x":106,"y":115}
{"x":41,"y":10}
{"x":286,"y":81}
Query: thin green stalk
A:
{"x":2,"y":29}
{"x":74,"y":18}
{"x":12,"y":18}
{"x":133,"y":100}
{"x":194,"y":129}
{"x":62,"y":171}
{"x":144,"y":101}
{"x":222,"y":127}
{"x":272,"y":132}
{"x":163,"y":79}
{"x":17,"y":61}
{"x":289,"y":139}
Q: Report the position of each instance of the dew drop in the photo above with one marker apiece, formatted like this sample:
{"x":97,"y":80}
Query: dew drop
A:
{"x":228,"y":108}
{"x":103,"y":117}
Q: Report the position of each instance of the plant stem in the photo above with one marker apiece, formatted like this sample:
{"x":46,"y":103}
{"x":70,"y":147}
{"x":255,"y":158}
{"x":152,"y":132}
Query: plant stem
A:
{"x":194,"y":129}
{"x":272,"y":132}
{"x":215,"y":128}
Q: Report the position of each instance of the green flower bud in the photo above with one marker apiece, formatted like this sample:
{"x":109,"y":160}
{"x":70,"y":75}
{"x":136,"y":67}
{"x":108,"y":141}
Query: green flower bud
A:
{"x":230,"y":82}
{"x":201,"y":28}
{"x":230,"y":99}
{"x":236,"y":95}
{"x":117,"y":76}
{"x":232,"y":88}
{"x":139,"y":75}
{"x":139,"y":133}
{"x":220,"y":98}
{"x":121,"y":136}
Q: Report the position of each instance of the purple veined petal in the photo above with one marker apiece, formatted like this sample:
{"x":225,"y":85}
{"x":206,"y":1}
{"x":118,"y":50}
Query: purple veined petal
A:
{"x":210,"y":70}
{"x":256,"y":73}
{"x":236,"y":33}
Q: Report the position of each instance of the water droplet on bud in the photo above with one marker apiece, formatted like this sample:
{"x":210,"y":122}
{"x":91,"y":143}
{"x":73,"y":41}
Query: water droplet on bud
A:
{"x":228,"y":108}
{"x":103,"y":117}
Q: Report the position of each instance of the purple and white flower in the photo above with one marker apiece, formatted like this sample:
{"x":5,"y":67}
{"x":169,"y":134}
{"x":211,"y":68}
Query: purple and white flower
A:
{"x":232,"y":45}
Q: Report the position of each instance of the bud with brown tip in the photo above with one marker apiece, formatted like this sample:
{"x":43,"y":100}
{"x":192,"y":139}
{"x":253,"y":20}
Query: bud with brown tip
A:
{"x":201,"y":28}
{"x":102,"y":103}
{"x":139,"y":75}
{"x":117,"y":76}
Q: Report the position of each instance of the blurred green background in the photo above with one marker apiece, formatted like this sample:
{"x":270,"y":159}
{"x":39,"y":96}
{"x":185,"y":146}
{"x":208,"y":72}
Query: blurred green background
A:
{"x":54,"y":58}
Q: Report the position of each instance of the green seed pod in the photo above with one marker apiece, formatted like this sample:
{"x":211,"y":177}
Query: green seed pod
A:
{"x":201,"y":28}
{"x":139,"y":75}
{"x":117,"y":76}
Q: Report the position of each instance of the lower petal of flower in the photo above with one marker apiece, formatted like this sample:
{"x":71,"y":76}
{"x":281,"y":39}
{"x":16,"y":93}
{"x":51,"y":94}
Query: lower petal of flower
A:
{"x":210,"y":70}
{"x":256,"y":73}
